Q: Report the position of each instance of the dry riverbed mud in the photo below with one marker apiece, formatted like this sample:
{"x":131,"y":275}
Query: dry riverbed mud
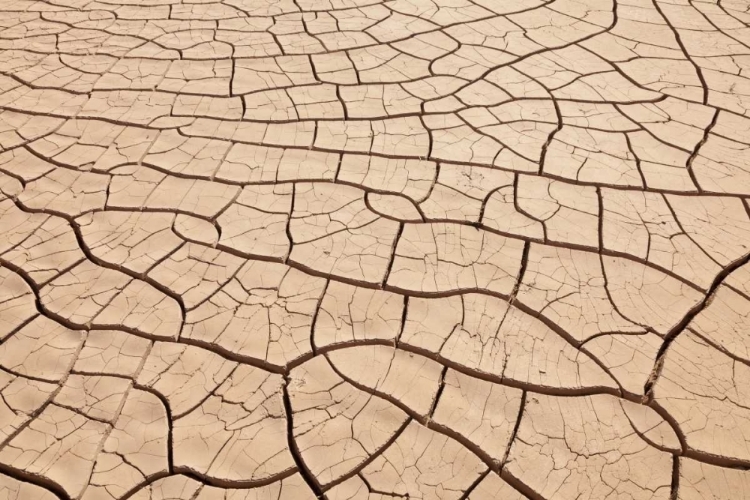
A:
{"x":372,"y":250}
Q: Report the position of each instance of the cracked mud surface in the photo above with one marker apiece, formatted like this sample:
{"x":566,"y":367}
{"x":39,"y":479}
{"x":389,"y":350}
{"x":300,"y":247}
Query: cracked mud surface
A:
{"x":375,"y":249}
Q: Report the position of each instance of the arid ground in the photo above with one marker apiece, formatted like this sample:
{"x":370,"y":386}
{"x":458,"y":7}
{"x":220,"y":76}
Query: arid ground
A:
{"x":374,"y":249}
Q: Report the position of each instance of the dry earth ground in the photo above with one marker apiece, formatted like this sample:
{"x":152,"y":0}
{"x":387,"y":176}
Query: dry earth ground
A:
{"x":374,"y":249}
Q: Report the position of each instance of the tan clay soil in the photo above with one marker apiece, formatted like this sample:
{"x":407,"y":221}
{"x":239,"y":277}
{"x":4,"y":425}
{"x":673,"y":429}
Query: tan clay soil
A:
{"x":374,"y":249}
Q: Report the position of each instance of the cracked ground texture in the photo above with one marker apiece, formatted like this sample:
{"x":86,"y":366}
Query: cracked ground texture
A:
{"x":375,"y":249}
